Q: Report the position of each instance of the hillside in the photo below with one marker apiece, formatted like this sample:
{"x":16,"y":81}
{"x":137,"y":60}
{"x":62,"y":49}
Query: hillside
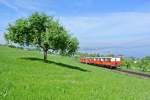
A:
{"x":24,"y":76}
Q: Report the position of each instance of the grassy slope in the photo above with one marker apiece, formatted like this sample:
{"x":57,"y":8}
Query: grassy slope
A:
{"x":23,"y":75}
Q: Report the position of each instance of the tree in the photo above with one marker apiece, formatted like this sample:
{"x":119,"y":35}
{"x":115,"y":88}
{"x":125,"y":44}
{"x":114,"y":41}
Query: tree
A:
{"x":43,"y":32}
{"x":143,"y":63}
{"x":127,"y":62}
{"x":72,"y":45}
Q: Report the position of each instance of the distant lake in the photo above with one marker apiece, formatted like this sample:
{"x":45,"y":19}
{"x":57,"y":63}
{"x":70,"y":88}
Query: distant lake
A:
{"x":135,"y":52}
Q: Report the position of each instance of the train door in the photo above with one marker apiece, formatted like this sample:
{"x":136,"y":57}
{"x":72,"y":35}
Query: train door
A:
{"x":99,"y":61}
{"x":113,"y":61}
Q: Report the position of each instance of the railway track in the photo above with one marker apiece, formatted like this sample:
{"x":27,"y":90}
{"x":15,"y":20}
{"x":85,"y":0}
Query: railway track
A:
{"x":129,"y":72}
{"x":132,"y":72}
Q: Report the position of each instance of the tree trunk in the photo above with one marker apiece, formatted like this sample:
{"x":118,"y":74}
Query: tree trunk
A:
{"x":45,"y":55}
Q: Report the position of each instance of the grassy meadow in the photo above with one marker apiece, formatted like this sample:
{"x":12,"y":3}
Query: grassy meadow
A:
{"x":24,"y":76}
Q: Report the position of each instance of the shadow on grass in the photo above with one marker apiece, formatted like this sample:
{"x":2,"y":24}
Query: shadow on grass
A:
{"x":56,"y":63}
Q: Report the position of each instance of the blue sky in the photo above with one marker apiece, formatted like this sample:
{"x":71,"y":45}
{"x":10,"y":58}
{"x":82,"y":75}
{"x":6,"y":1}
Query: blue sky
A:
{"x":117,"y":26}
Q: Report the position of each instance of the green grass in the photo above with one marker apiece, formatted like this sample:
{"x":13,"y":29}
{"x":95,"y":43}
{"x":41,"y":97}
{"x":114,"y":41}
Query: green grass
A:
{"x":24,"y":76}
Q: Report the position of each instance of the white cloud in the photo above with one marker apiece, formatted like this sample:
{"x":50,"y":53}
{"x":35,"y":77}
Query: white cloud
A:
{"x":115,"y":22}
{"x":110,"y":29}
{"x":9,"y":5}
{"x":26,"y":7}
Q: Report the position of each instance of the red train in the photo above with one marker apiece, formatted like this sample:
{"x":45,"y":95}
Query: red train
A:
{"x":109,"y":62}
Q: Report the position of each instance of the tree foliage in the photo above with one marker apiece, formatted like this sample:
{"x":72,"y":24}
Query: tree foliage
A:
{"x":42,"y":31}
{"x":142,"y":64}
{"x":127,"y":62}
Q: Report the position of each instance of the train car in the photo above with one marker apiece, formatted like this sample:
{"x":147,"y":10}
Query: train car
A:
{"x":109,"y":62}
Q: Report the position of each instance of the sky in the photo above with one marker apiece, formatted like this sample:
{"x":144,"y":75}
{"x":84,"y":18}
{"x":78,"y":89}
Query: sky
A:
{"x":109,"y":26}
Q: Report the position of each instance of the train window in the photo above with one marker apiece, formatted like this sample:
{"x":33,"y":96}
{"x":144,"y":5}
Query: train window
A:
{"x":103,"y":59}
{"x":117,"y":59}
{"x":112,"y":59}
{"x":109,"y":59}
{"x":99,"y":59}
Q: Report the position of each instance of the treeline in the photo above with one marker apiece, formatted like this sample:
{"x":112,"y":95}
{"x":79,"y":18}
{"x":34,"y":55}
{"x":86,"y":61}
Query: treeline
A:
{"x":142,"y":64}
